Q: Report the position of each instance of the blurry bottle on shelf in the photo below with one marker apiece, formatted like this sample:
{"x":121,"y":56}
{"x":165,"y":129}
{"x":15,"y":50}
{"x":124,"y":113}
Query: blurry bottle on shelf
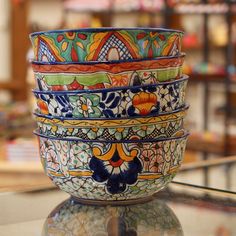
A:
{"x":218,"y":35}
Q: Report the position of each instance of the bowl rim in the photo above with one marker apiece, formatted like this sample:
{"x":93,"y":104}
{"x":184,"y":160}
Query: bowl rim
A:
{"x":185,"y":108}
{"x":105,"y":29}
{"x":89,"y":91}
{"x":115,"y":62}
{"x":184,"y":136}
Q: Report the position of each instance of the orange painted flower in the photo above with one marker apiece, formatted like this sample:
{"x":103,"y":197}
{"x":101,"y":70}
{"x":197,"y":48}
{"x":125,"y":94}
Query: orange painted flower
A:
{"x":144,"y":102}
{"x":119,"y":80}
{"x":43,"y":107}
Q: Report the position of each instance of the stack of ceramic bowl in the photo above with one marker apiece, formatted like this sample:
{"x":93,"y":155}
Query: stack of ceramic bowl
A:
{"x":110,"y":110}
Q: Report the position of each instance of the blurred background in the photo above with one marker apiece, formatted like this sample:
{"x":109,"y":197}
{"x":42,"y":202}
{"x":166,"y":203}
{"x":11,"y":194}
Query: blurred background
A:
{"x":209,"y":42}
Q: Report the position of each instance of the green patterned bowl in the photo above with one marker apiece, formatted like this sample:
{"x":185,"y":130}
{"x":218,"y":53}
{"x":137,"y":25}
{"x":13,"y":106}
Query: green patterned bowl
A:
{"x":151,"y":127}
{"x":111,"y":170}
{"x":106,"y":75}
{"x":105,"y":44}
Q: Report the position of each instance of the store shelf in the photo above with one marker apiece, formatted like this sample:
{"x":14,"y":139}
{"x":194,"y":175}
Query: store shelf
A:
{"x":208,"y":163}
{"x":197,"y":8}
{"x":200,"y":144}
{"x":20,"y":176}
{"x":207,"y":77}
{"x":200,"y":47}
{"x":9,"y":86}
{"x":105,"y":6}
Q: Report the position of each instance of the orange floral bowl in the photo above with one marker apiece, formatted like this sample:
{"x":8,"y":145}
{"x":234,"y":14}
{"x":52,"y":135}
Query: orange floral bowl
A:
{"x":81,"y":76}
{"x":105,"y":44}
{"x":151,"y":127}
{"x":111,"y":171}
{"x":132,"y":101}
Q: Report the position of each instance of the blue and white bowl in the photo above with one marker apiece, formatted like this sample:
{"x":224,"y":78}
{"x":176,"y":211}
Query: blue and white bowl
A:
{"x":133,"y":101}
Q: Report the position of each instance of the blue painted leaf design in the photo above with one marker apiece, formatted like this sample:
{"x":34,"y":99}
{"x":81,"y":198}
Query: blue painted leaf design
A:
{"x":110,"y":97}
{"x":102,"y":105}
{"x":115,"y":102}
{"x":108,"y":113}
{"x":131,"y":111}
{"x":104,"y":96}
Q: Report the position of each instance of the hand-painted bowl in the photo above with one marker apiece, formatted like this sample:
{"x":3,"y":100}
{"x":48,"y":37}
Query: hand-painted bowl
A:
{"x":106,"y":75}
{"x":114,"y":103}
{"x":152,"y":127}
{"x":96,"y":170}
{"x":99,"y":80}
{"x":109,"y":170}
{"x":144,"y":219}
{"x":105,"y":44}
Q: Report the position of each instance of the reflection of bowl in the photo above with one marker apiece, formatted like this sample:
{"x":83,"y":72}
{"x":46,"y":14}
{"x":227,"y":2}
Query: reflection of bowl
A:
{"x":100,"y":76}
{"x":150,"y":218}
{"x":105,"y":44}
{"x":114,"y":103}
{"x":151,"y":127}
{"x":100,"y":170}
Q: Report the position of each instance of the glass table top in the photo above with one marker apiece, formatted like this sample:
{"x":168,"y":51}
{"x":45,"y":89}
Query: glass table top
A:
{"x":218,"y":173}
{"x":180,"y":209}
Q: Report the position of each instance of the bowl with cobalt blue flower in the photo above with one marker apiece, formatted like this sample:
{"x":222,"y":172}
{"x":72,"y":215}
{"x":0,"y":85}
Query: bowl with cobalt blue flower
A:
{"x":131,"y":101}
{"x":111,"y":170}
{"x":105,"y":44}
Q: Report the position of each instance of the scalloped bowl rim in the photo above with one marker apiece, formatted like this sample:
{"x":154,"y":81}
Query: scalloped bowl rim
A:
{"x":105,"y":29}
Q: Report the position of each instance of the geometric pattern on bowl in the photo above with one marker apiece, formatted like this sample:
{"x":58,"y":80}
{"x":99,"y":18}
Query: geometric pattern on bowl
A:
{"x":114,"y":103}
{"x":146,"y":128}
{"x":105,"y":44}
{"x":111,"y":170}
{"x":132,"y":219}
{"x":98,"y":80}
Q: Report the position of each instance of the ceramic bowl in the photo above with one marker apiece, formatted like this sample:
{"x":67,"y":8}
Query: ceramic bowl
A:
{"x":144,"y":219}
{"x":105,"y":44}
{"x":99,"y":80}
{"x":114,"y":103}
{"x":106,"y":75}
{"x":107,"y":170}
{"x":152,"y":127}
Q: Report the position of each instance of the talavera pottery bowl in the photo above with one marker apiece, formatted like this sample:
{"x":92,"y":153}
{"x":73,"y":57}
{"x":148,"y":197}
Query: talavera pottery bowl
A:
{"x":117,"y":102}
{"x":150,"y":218}
{"x":105,"y":44}
{"x":151,"y":127}
{"x":111,"y":171}
{"x":99,"y":75}
{"x":64,"y":82}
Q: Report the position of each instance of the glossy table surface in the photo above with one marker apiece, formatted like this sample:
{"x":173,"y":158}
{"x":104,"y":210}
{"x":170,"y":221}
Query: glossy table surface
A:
{"x":185,"y":207}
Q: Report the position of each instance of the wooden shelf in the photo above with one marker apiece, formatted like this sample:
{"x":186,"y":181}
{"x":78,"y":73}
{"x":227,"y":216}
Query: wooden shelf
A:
{"x":9,"y":86}
{"x":198,"y":8}
{"x":209,"y":146}
{"x":208,"y":163}
{"x":207,"y":77}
